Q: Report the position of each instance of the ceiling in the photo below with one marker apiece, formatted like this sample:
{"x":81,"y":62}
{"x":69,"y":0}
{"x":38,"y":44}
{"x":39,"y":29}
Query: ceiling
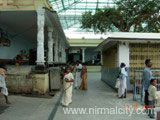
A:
{"x":13,"y":23}
{"x":70,"y":11}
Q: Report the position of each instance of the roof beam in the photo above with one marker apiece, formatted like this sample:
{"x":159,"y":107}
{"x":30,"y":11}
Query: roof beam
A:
{"x":63,"y":4}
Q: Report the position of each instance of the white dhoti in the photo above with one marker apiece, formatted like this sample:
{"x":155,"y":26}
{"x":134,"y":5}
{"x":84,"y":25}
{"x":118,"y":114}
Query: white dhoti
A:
{"x":3,"y":87}
{"x":122,"y":87}
{"x":123,"y":82}
{"x":67,"y":96}
{"x":77,"y":79}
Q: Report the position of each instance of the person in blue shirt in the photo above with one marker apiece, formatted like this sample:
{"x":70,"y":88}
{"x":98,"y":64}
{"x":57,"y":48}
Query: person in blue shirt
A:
{"x":147,"y":76}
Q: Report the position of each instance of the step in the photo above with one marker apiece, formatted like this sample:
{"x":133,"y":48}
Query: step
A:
{"x":94,"y":68}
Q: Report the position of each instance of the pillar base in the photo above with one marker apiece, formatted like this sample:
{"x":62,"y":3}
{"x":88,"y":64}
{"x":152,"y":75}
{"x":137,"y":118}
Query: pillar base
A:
{"x":41,"y":69}
{"x":50,"y":65}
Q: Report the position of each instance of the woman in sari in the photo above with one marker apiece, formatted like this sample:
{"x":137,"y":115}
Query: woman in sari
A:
{"x":68,"y":86}
{"x":84,"y":78}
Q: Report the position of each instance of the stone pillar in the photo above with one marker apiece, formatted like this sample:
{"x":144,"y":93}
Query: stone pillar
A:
{"x":50,"y":46}
{"x":40,"y":37}
{"x":63,"y":54}
{"x":101,"y":57}
{"x":65,"y":57}
{"x":60,"y":52}
{"x":56,"y":50}
{"x":83,"y":55}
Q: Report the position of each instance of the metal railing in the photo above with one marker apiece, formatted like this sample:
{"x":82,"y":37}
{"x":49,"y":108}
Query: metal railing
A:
{"x":138,"y":88}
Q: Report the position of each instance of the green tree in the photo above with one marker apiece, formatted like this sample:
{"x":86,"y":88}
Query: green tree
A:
{"x":126,"y":16}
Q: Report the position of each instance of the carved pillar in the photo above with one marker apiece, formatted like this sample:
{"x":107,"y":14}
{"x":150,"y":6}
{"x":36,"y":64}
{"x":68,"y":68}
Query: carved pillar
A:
{"x":83,"y":55}
{"x":65,"y":59}
{"x":60,"y":52}
{"x":40,"y":37}
{"x":50,"y":45}
{"x":56,"y":50}
{"x":63,"y":54}
{"x":101,"y":57}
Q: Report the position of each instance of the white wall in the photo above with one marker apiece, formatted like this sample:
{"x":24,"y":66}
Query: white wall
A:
{"x":123,"y":54}
{"x":14,"y":49}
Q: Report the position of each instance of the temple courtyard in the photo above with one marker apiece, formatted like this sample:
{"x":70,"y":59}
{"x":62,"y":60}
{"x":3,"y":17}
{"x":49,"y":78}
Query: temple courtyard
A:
{"x":86,"y":105}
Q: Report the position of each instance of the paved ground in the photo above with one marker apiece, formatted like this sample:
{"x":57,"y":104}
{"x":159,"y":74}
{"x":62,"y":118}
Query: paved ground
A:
{"x":99,"y":95}
{"x":27,"y":108}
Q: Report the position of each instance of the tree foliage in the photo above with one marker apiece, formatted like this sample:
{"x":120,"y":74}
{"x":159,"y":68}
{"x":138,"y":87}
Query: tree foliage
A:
{"x":126,"y":16}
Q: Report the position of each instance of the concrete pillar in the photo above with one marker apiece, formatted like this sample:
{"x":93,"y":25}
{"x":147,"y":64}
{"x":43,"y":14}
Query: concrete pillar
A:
{"x":60,"y":52}
{"x":40,"y":37}
{"x":56,"y":50}
{"x":83,"y":55}
{"x":101,"y":57}
{"x":123,"y":54}
{"x":50,"y":45}
{"x":63,"y":54}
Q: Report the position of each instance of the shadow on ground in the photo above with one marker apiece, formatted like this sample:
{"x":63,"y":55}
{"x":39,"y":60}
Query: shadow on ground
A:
{"x":3,"y":108}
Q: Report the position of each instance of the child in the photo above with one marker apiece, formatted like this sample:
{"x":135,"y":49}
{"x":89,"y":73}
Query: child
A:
{"x":152,"y":97}
{"x":3,"y":87}
{"x":68,"y":86}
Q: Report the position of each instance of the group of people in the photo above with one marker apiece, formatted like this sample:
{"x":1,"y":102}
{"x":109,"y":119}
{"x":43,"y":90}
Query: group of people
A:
{"x":150,"y":87}
{"x":149,"y":84}
{"x":80,"y":81}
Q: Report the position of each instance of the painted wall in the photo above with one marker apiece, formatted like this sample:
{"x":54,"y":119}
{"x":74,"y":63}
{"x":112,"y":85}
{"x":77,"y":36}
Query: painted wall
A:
{"x":19,"y":80}
{"x":109,"y":76}
{"x":16,"y":46}
{"x":23,"y":4}
{"x":110,"y":57}
{"x":123,"y":54}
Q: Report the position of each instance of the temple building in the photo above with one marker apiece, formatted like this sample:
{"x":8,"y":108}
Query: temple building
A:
{"x":130,"y":48}
{"x":31,"y":40}
{"x":31,"y":26}
{"x":82,"y":47}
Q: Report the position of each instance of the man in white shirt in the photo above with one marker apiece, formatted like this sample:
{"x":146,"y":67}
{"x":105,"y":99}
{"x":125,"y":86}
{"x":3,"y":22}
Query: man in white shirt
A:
{"x":122,"y":90}
{"x":78,"y":75}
